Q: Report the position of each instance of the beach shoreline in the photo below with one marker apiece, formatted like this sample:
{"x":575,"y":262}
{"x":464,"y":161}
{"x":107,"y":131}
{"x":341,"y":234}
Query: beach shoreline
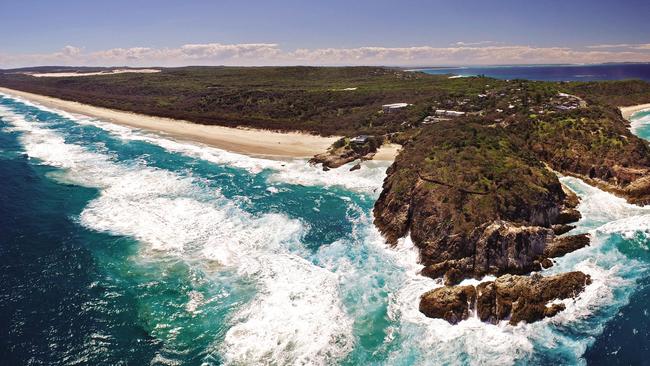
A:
{"x":252,"y":142}
{"x":627,"y":112}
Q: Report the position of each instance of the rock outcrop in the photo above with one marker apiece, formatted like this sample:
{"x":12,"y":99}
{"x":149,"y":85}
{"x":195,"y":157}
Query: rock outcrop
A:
{"x":565,"y":244}
{"x":509,"y":297}
{"x":343,"y":152}
{"x":450,"y":303}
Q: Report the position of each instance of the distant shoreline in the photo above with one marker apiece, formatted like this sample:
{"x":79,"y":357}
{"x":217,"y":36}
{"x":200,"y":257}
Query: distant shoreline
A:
{"x":247,"y":141}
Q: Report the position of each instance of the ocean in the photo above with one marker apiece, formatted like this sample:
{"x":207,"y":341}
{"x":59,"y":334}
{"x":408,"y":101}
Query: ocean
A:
{"x":122,"y":247}
{"x":551,"y":72}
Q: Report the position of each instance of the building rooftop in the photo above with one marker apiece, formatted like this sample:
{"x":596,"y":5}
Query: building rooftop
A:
{"x":395,"y":105}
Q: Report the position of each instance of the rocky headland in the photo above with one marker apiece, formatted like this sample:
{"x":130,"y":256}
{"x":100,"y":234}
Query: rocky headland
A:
{"x":483,"y":199}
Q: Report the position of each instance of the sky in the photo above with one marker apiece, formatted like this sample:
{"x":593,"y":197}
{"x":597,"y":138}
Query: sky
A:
{"x":335,"y":32}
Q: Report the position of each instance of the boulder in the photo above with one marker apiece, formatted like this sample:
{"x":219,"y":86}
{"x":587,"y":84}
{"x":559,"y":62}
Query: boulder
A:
{"x":355,"y":167}
{"x":560,"y":246}
{"x":568,"y":216}
{"x":451,"y":303}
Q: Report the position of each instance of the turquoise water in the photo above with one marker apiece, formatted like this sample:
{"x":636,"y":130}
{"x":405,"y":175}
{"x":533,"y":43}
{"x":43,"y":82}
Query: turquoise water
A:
{"x":120,"y":246}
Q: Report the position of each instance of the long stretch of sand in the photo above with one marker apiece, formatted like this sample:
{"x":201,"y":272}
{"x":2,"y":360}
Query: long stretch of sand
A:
{"x":629,"y":111}
{"x":100,"y":73}
{"x":252,"y":142}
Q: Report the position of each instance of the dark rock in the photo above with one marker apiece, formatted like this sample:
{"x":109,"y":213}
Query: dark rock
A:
{"x":517,"y":298}
{"x":560,"y":229}
{"x":355,"y":167}
{"x":565,"y":244}
{"x":449,"y":303}
{"x":568,"y":216}
{"x":572,"y":200}
{"x":546,"y":263}
{"x":437,"y":270}
{"x":453,"y":277}
{"x":506,"y":248}
{"x":502,"y":248}
{"x":524,"y":298}
{"x":553,"y":310}
{"x":486,"y":302}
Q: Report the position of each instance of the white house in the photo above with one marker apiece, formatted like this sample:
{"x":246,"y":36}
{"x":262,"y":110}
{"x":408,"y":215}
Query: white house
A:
{"x":387,"y":108}
{"x":359,"y":140}
{"x":443,"y":112}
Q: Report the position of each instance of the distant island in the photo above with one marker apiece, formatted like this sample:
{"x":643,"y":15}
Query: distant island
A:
{"x":475,"y":184}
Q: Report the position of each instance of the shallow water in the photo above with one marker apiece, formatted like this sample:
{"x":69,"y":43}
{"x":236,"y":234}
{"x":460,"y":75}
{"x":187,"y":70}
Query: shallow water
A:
{"x":121,"y":246}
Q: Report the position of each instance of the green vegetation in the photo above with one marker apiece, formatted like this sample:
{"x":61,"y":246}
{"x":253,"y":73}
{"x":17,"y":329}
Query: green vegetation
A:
{"x":280,"y":98}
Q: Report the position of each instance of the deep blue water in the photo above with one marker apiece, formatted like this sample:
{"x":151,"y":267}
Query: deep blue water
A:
{"x":552,"y":72}
{"x":624,"y":340}
{"x":122,"y":247}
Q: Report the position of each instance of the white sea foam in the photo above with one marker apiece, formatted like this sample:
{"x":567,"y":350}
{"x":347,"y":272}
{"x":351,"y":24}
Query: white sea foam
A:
{"x":599,"y":207}
{"x":639,"y":120}
{"x":295,"y":171}
{"x":628,"y":227}
{"x":297,"y":315}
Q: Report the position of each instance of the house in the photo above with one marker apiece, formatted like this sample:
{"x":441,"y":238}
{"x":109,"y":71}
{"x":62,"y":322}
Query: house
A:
{"x":359,"y":140}
{"x":433,"y":119}
{"x":387,"y":108}
{"x":443,"y":112}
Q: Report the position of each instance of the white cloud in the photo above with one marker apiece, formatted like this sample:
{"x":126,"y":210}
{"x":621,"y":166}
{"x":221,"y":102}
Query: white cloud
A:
{"x":464,"y":53}
{"x":634,"y":46}
{"x":71,"y":51}
{"x":605,"y":46}
{"x":479,"y":43}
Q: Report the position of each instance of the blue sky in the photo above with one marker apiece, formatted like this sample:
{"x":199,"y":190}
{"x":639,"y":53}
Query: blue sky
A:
{"x":39,"y":30}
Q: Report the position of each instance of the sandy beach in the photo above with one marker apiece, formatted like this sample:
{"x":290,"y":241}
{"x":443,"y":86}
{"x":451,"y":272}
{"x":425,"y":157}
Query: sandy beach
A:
{"x":81,"y":74}
{"x":259,"y":143}
{"x":629,"y":111}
